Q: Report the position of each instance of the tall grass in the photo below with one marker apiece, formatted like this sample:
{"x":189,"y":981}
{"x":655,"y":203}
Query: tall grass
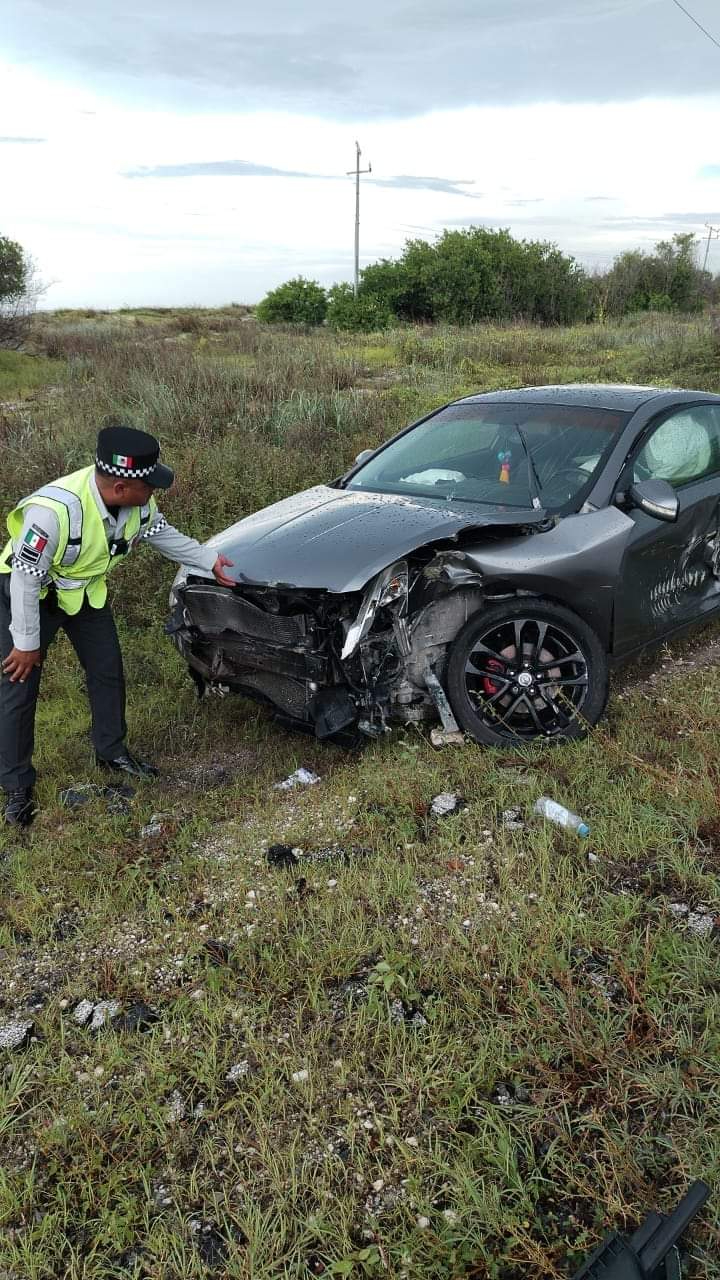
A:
{"x":563,"y":1076}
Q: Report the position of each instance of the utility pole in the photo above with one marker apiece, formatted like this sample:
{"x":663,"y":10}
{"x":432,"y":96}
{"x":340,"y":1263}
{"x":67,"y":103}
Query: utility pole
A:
{"x":357,"y":171}
{"x":712,"y":232}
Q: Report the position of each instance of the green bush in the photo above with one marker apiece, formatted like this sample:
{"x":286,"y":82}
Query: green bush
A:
{"x":365,"y":313}
{"x":668,"y":279}
{"x":297,"y":301}
{"x":480,"y":274}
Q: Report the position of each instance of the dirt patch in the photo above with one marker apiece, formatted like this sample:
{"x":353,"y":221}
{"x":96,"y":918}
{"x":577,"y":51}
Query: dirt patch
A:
{"x":685,"y":656}
{"x":209,"y":774}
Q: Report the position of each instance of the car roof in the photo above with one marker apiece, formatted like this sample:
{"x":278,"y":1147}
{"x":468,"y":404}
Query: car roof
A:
{"x":597,"y":395}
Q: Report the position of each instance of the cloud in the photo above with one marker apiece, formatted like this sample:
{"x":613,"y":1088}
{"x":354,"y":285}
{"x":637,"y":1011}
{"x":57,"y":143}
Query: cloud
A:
{"x":448,"y":186}
{"x":386,"y":58}
{"x":709,"y":171}
{"x":23,"y":140}
{"x":590,"y":199}
{"x":217,"y":169}
{"x":249,"y":169}
{"x":686,"y":220}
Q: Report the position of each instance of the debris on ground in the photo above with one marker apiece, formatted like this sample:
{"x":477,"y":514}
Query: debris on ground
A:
{"x":282,"y":855}
{"x":447,"y":803}
{"x":447,"y":738}
{"x":212,"y":1247}
{"x":103,"y":1014}
{"x":407,"y":1014}
{"x":138,"y":1017}
{"x":175,"y":1107}
{"x":504,"y":1094}
{"x":701,"y":922}
{"x":596,"y":967}
{"x":16,"y":1034}
{"x":512,"y":819}
{"x":334,"y":853}
{"x":82,"y":1012}
{"x":156,"y":827}
{"x":300,"y":778}
{"x":562,"y":817}
{"x":117,"y":796}
{"x":219,"y":952}
{"x":95,"y":1014}
{"x":238,"y":1071}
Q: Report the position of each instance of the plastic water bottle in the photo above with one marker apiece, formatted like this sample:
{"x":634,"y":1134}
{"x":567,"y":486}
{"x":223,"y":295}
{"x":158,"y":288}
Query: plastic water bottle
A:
{"x":563,"y":817}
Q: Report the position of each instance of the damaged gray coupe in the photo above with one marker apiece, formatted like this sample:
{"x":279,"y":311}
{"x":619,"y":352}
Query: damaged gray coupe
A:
{"x":485,"y":567}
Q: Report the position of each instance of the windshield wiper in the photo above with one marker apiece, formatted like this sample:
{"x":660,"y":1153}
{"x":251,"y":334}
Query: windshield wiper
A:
{"x":533,"y":478}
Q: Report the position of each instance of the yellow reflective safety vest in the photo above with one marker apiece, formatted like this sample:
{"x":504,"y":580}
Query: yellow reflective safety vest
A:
{"x":83,"y":558}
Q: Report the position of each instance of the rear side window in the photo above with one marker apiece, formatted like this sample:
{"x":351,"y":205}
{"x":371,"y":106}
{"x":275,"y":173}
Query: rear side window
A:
{"x":683,"y":448}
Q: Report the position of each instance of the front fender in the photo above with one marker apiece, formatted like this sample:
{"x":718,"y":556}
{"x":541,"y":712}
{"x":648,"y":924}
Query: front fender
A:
{"x":578,"y":563}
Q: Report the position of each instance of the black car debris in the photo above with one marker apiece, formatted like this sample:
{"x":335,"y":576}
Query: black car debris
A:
{"x":485,"y":566}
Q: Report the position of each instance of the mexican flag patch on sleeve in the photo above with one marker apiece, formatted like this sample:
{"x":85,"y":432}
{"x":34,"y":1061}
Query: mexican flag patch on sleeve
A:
{"x":36,"y":540}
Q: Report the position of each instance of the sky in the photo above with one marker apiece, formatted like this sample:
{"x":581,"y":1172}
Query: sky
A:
{"x":176,"y":153}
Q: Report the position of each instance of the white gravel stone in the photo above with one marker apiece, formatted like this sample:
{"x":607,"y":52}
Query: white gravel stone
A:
{"x":14,"y":1034}
{"x":176,"y":1108}
{"x":444,"y":804}
{"x":512,"y":819}
{"x":701,"y":923}
{"x":238,"y":1071}
{"x":300,"y":1077}
{"x":423,"y":1223}
{"x":82,"y":1012}
{"x":103,"y":1013}
{"x":300,"y":778}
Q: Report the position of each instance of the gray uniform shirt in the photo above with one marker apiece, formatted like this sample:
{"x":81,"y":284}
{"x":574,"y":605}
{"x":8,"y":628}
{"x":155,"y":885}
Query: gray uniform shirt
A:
{"x":29,"y":575}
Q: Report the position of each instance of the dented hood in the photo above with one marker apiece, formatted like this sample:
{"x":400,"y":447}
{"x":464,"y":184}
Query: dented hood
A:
{"x":338,"y":539}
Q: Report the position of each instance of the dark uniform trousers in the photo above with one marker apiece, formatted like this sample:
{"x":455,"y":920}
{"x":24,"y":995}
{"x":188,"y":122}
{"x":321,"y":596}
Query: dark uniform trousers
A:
{"x":92,"y":635}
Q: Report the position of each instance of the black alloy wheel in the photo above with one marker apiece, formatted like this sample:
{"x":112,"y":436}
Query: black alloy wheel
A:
{"x":524,"y":670}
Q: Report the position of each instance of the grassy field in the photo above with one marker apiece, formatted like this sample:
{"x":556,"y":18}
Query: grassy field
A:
{"x":428,"y":1047}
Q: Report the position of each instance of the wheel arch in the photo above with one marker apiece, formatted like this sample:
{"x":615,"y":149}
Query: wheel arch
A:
{"x":600,"y":619}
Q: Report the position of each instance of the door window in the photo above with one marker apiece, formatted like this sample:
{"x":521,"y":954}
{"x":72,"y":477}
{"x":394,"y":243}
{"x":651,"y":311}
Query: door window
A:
{"x":685,"y":447}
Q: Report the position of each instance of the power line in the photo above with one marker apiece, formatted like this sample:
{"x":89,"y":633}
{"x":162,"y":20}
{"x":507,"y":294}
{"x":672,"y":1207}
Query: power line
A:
{"x":699,"y":25}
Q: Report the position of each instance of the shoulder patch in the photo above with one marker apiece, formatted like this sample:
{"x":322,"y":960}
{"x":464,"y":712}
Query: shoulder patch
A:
{"x":33,"y":544}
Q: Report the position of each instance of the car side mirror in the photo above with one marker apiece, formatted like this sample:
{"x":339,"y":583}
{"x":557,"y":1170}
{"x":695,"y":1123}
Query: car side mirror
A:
{"x":656,"y":498}
{"x":363,"y":456}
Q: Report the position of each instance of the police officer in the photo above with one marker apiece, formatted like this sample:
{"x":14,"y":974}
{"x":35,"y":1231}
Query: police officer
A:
{"x":64,"y":540}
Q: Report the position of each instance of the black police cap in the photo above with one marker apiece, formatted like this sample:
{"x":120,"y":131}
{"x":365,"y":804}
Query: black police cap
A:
{"x":131,"y":455}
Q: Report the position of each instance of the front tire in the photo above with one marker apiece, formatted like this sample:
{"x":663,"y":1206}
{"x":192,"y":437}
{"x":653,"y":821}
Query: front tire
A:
{"x":526,"y":670}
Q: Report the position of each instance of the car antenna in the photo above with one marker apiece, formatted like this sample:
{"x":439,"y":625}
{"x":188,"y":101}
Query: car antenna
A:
{"x":533,"y":478}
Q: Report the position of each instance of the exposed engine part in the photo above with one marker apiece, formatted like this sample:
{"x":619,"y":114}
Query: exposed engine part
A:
{"x":333,"y":662}
{"x":437,"y":693}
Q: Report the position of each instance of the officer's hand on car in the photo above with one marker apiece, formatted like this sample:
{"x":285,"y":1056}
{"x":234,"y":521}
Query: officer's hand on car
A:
{"x":20,"y":663}
{"x":221,"y":563}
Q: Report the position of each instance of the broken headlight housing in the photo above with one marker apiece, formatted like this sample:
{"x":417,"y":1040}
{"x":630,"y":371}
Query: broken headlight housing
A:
{"x":389,"y":588}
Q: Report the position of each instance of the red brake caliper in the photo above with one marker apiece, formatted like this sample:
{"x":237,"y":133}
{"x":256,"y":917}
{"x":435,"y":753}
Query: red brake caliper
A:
{"x":489,"y":685}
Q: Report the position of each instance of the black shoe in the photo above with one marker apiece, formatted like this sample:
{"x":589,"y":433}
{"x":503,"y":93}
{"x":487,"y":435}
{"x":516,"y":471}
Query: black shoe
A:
{"x":20,"y":808}
{"x":130,"y":765}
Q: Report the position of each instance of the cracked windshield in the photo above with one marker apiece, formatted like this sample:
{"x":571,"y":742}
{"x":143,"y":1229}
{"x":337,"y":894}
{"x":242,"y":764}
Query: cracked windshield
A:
{"x":504,"y":455}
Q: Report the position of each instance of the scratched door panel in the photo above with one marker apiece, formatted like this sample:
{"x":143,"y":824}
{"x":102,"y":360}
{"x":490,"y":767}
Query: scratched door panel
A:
{"x":670,"y":574}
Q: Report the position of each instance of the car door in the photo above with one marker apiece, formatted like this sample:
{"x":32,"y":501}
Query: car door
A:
{"x":671,"y":572}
